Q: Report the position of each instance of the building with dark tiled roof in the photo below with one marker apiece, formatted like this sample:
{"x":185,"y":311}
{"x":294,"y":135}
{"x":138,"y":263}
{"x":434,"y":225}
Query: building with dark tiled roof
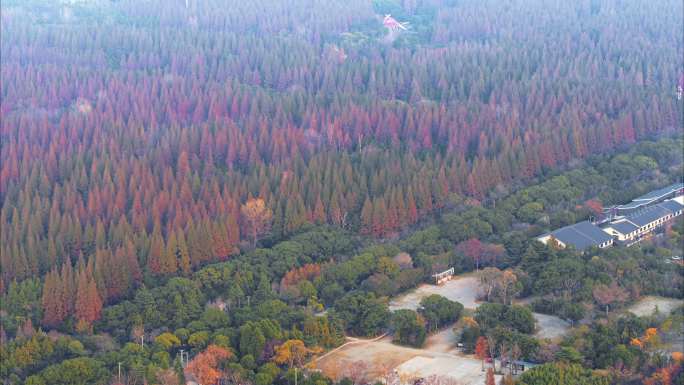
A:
{"x":581,"y":236}
{"x":627,"y":230}
{"x":648,"y":216}
{"x":674,"y":206}
{"x":650,"y":198}
{"x":623,"y":230}
{"x":641,"y":223}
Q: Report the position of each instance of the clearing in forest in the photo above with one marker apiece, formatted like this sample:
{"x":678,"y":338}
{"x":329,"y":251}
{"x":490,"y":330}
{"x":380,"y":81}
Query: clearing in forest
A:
{"x":648,"y":304}
{"x":549,"y":326}
{"x":464,"y":289}
{"x":368,"y":360}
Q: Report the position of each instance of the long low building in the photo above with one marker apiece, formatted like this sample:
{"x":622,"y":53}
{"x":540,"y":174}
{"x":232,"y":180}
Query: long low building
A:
{"x":635,"y":226}
{"x":648,"y":199}
{"x":581,"y":236}
{"x":625,"y":230}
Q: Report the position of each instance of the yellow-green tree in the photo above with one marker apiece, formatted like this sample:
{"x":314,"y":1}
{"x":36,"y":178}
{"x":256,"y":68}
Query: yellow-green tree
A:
{"x":257,"y":218}
{"x":291,"y":352}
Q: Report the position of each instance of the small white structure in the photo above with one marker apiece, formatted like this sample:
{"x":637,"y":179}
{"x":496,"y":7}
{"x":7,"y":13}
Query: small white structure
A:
{"x":392,"y":24}
{"x":444,"y":276}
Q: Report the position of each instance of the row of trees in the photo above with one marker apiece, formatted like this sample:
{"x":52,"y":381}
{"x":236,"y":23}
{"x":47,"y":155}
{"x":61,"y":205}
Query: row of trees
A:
{"x":71,"y":295}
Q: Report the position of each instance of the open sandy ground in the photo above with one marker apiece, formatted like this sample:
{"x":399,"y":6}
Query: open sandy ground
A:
{"x":466,"y":289}
{"x":646,"y":305}
{"x":372,"y":359}
{"x":375,"y":358}
{"x":673,"y":340}
{"x":550,"y":327}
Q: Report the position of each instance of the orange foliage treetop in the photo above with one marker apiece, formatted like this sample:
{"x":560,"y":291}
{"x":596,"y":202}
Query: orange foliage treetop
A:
{"x":206,"y":365}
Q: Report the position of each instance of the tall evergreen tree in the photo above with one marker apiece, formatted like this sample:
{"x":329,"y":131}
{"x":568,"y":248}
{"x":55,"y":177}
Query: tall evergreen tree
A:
{"x":169,"y":259}
{"x":88,"y":302}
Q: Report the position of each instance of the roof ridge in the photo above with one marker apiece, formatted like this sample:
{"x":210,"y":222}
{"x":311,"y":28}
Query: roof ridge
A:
{"x":587,"y":235}
{"x":584,"y":235}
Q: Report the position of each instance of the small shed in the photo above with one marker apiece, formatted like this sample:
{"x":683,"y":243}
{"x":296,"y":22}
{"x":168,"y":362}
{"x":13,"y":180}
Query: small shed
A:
{"x":443,"y":276}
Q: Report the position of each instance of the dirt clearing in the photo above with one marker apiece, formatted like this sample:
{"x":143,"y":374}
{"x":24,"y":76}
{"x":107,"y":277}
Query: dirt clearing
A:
{"x":368,"y":360}
{"x":646,"y":305}
{"x":444,"y":341}
{"x":372,"y":359}
{"x":550,"y":327}
{"x":464,"y":370}
{"x":464,"y":289}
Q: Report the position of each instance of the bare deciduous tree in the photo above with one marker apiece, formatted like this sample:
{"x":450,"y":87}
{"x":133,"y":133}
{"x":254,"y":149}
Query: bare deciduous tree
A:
{"x":357,"y":372}
{"x":167,"y":377}
{"x":488,"y":278}
{"x":498,"y":284}
{"x":507,"y":283}
{"x":491,"y":344}
{"x":608,"y":295}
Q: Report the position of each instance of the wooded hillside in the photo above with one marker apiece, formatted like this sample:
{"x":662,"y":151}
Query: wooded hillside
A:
{"x":277,"y":155}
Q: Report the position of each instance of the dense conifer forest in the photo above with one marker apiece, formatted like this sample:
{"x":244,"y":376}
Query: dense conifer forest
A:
{"x":251,"y":182}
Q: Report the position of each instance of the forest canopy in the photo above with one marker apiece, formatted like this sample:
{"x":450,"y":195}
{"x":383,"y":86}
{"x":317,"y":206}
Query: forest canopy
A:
{"x":250,"y":181}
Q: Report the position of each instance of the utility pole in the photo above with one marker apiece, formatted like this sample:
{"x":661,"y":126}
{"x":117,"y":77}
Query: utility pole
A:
{"x":142,"y":341}
{"x":119,"y":372}
{"x":184,"y":357}
{"x":295,"y":375}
